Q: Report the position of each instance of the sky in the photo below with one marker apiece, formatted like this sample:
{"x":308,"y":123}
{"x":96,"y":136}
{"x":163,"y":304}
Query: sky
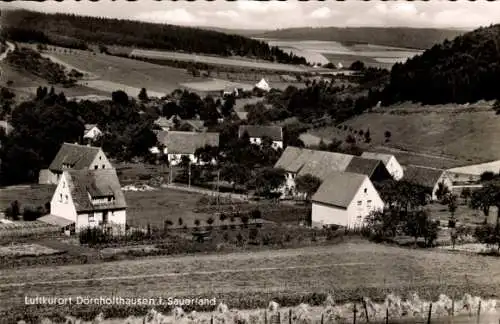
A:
{"x":250,"y":14}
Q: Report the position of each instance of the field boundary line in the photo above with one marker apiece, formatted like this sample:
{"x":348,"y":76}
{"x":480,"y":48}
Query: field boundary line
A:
{"x":178,"y":274}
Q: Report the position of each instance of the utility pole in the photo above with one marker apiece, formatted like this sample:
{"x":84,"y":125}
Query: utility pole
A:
{"x":189,"y":174}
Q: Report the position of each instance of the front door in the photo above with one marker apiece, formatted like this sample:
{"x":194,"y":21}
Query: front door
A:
{"x":105,"y":217}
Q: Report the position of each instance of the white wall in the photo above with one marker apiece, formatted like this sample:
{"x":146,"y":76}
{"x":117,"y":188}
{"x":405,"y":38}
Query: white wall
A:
{"x":62,"y":203}
{"x":175,"y":159}
{"x":395,"y":169}
{"x":258,"y":141}
{"x":355,"y":214}
{"x":115,"y":217}
{"x":101,"y":162}
{"x":93,"y":133}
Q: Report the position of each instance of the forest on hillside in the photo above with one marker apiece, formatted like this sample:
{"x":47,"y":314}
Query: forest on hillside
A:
{"x":79,"y":31}
{"x":466,"y":69}
{"x":416,"y":38}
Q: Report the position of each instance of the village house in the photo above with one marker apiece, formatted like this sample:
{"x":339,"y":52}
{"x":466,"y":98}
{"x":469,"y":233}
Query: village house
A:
{"x":165,"y":124}
{"x":428,"y":178}
{"x":263,"y":85}
{"x":88,"y":198}
{"x":74,"y":157}
{"x":257,"y":133}
{"x":92,"y":132}
{"x":299,"y":161}
{"x":344,"y":199}
{"x":374,"y":169}
{"x":391,"y":163}
{"x":177,"y":144}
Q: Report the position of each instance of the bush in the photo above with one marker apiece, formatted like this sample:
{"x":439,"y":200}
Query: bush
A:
{"x":256,"y":214}
{"x":252,"y":235}
{"x":31,"y":214}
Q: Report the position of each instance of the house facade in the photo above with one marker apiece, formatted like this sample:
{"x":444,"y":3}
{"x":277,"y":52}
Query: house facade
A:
{"x":345,"y":199}
{"x":92,"y":132}
{"x":258,"y":133}
{"x":90,"y":198}
{"x":391,"y":163}
{"x":74,"y":157}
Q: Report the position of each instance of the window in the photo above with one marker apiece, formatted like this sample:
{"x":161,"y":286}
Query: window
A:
{"x":360,"y":202}
{"x":66,"y":199}
{"x":369,"y":203}
{"x":366,"y":190}
{"x":96,"y":166}
{"x":91,"y":218}
{"x":100,"y":157}
{"x":60,"y":197}
{"x":64,"y":184}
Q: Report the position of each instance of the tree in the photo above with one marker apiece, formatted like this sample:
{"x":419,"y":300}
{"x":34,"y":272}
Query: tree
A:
{"x":143,"y":95}
{"x":210,"y":221}
{"x":228,"y":106}
{"x":466,"y":193}
{"x":307,"y":184}
{"x":496,"y":107}
{"x":357,"y":66}
{"x":268,"y":179}
{"x":488,"y":234}
{"x":451,"y":201}
{"x":180,"y":221}
{"x":387,"y":135}
{"x":196,"y":222}
{"x":487,"y":176}
{"x":383,"y":223}
{"x":442,"y":192}
{"x":367,"y":136}
{"x":484,"y":198}
{"x":120,"y":97}
{"x":418,"y":224}
{"x":13,"y":211}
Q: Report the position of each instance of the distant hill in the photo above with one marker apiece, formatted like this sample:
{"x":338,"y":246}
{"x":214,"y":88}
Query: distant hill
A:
{"x":415,"y":38}
{"x":466,"y":69}
{"x":79,"y":31}
{"x":241,"y":32}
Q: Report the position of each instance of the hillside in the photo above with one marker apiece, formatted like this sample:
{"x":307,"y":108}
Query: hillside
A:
{"x":416,"y":38}
{"x":463,"y":133}
{"x":466,"y":69}
{"x":79,"y":31}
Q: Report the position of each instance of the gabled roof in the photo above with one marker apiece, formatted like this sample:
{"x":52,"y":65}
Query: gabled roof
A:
{"x":364,"y":166}
{"x":385,"y":158}
{"x":321,"y":164}
{"x":426,"y":177}
{"x":289,"y":156}
{"x":164,"y":122}
{"x":87,"y":184}
{"x":76,"y":156}
{"x":195,"y":124}
{"x":274,"y":132}
{"x":339,"y":189}
{"x":186,"y":142}
{"x":242,"y":115}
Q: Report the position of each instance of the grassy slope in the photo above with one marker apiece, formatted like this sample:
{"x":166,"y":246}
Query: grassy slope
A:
{"x":463,"y":135}
{"x":397,"y":37}
{"x":348,"y":269}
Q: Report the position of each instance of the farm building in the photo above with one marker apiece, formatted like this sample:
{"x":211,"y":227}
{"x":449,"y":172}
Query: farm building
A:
{"x":472,"y":173}
{"x":74,"y":157}
{"x":215,"y":87}
{"x":429,"y":178}
{"x":391,"y":163}
{"x":257,"y":133}
{"x":165,"y":123}
{"x":91,"y":132}
{"x":298,"y":162}
{"x":6,"y":126}
{"x":374,"y":169}
{"x":178,"y":144}
{"x":344,"y":199}
{"x":89,"y":198}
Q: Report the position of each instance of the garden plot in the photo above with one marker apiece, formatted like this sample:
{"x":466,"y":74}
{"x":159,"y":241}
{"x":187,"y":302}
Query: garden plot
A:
{"x":20,"y":250}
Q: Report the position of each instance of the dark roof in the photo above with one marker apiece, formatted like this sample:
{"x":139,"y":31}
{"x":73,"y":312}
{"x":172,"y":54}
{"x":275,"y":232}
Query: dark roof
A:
{"x":426,"y":177}
{"x":321,"y":163}
{"x":84,"y":184}
{"x":363,"y":166}
{"x":274,"y":132}
{"x":186,"y":142}
{"x":76,"y":156}
{"x":339,"y":189}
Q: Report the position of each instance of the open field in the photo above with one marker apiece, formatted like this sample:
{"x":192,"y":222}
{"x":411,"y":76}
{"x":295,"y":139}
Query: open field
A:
{"x":20,"y":250}
{"x":127,"y":72}
{"x":467,"y":136}
{"x":241,"y":279}
{"x":217,"y":60}
{"x":35,"y":195}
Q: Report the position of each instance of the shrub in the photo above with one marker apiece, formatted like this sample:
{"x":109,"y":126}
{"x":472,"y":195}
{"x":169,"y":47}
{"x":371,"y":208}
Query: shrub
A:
{"x":210,"y":221}
{"x":31,"y":214}
{"x":252,"y":235}
{"x":256,"y":214}
{"x":13,"y":211}
{"x":196,"y":222}
{"x":180,"y":221}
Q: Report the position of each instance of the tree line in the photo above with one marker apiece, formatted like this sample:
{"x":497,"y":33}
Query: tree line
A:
{"x":29,"y":26}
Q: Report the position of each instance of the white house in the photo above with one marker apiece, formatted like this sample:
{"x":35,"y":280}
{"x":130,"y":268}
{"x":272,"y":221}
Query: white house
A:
{"x":263,"y":85}
{"x":344,"y":199}
{"x":257,"y":133}
{"x":74,"y":157}
{"x":90,"y":198}
{"x":428,"y":178}
{"x":178,"y":144}
{"x":92,"y":132}
{"x":391,"y":163}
